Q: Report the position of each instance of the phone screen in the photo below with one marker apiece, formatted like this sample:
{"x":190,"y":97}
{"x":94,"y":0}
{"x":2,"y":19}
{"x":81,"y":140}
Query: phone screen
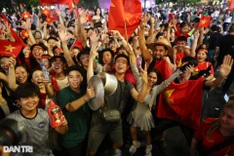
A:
{"x":70,"y":43}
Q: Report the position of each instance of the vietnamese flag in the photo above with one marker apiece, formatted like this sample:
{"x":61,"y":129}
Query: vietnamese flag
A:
{"x":9,"y":48}
{"x":50,"y":2}
{"x":182,"y":102}
{"x":49,"y":19}
{"x":124,"y":16}
{"x":46,"y":12}
{"x":24,"y":34}
{"x":204,"y":21}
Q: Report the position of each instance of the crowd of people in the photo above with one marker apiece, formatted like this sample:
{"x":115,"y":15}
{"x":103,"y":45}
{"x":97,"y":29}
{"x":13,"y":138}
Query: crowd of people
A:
{"x":163,"y":71}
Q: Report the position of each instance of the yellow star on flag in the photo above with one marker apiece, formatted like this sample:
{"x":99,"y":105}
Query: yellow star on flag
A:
{"x":203,"y":22}
{"x":9,"y":48}
{"x":46,"y":12}
{"x":112,"y":4}
{"x":167,"y":95}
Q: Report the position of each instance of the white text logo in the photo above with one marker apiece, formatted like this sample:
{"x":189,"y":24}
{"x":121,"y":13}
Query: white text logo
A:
{"x":18,"y":149}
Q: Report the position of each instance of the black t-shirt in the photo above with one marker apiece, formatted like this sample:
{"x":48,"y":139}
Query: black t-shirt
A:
{"x":214,"y":40}
{"x":226,"y":45}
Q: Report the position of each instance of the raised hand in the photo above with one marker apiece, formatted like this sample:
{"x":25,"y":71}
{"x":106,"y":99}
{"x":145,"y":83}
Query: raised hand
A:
{"x":143,"y":23}
{"x":94,"y":51}
{"x":143,"y":74}
{"x":63,"y":35}
{"x":226,"y":66}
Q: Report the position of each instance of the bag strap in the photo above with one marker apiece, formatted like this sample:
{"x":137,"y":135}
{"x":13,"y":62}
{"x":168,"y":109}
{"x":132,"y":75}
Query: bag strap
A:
{"x":121,"y":104}
{"x":220,"y":146}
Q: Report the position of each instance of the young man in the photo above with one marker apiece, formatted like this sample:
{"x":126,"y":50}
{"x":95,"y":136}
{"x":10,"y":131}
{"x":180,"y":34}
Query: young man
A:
{"x":99,"y":127}
{"x":160,"y":50}
{"x":33,"y":121}
{"x":73,"y":102}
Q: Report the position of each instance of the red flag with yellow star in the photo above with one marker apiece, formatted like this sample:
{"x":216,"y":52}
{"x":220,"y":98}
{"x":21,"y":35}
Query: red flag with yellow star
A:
{"x":124,"y":16}
{"x":25,"y":15}
{"x":46,"y":12}
{"x":24,"y":34}
{"x":9,"y":48}
{"x":49,"y":20}
{"x":182,"y":102}
{"x":204,"y":21}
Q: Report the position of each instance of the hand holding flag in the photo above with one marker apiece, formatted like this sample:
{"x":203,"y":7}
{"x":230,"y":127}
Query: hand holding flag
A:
{"x":204,"y":21}
{"x":124,"y":16}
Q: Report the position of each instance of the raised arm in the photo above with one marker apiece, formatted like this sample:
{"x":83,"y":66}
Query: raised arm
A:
{"x":93,"y":54}
{"x":64,"y":38}
{"x":144,"y":50}
{"x":194,"y":44}
{"x":140,"y":96}
{"x":11,"y":77}
{"x":27,"y":26}
{"x":224,"y":71}
{"x":151,"y":31}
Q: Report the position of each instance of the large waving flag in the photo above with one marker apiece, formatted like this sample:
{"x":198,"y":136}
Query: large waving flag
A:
{"x":9,"y":48}
{"x":182,"y":102}
{"x":124,"y":16}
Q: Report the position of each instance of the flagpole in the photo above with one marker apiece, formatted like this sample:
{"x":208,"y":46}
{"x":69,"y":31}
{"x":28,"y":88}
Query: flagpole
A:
{"x":125,"y":30}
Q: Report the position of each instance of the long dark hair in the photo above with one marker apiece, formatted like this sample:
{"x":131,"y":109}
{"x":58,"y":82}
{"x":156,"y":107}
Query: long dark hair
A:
{"x":159,"y":75}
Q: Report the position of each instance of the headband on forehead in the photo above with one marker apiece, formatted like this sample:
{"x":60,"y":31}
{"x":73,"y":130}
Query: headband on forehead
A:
{"x":57,"y":59}
{"x":45,"y":57}
{"x":38,"y":47}
{"x":202,"y":50}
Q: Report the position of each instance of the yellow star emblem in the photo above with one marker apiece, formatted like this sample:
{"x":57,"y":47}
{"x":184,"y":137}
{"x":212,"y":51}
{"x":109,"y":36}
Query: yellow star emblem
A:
{"x":167,"y":95}
{"x":9,"y":48}
{"x":180,"y":63}
{"x":112,"y":4}
{"x":203,"y":22}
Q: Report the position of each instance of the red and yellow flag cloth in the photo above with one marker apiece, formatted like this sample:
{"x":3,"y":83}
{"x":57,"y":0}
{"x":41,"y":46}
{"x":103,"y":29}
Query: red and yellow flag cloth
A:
{"x":182,"y":102}
{"x":9,"y":48}
{"x":124,"y":14}
{"x":204,"y":21}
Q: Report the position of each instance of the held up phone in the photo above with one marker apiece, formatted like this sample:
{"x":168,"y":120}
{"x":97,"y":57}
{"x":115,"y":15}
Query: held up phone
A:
{"x":70,"y":43}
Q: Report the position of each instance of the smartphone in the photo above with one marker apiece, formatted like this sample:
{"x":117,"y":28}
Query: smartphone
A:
{"x":226,"y":97}
{"x":70,"y":43}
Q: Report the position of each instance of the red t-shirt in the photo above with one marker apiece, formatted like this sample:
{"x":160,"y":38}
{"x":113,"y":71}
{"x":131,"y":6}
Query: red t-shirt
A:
{"x":163,"y":67}
{"x":204,"y":66}
{"x":178,"y":34}
{"x":179,"y":57}
{"x":212,"y":139}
